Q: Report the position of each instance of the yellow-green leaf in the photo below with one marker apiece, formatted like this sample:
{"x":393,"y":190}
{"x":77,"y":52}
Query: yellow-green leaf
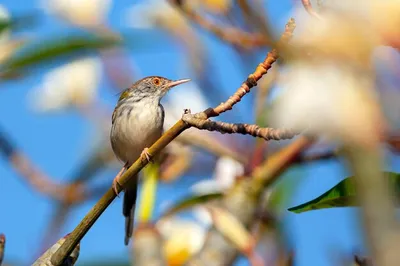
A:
{"x":149,"y":189}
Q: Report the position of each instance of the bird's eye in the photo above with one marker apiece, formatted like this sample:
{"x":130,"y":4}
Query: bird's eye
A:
{"x":156,"y":81}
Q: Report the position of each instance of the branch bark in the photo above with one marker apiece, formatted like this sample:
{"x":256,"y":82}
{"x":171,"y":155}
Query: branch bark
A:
{"x":245,"y":129}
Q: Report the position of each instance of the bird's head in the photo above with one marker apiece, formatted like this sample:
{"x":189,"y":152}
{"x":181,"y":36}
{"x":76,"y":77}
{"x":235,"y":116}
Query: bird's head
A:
{"x":153,"y":87}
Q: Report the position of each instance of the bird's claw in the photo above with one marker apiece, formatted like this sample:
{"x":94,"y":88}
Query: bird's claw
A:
{"x":115,"y":186}
{"x":115,"y":183}
{"x":145,"y":155}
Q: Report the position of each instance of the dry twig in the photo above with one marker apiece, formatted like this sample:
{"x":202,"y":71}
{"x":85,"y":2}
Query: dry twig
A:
{"x":245,"y":129}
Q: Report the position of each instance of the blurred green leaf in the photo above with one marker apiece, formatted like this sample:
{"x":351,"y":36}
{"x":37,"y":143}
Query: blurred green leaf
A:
{"x":190,"y":202}
{"x":341,"y":195}
{"x":44,"y":50}
{"x":17,"y":22}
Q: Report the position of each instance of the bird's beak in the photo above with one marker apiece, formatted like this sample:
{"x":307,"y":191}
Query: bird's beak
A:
{"x":176,"y":83}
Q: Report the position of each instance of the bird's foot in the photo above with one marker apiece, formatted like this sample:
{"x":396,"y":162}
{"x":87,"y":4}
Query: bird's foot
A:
{"x":115,"y":183}
{"x":145,"y":155}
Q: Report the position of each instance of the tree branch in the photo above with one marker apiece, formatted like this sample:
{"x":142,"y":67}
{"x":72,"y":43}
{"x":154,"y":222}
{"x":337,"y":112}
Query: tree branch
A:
{"x":87,"y":222}
{"x":245,"y":129}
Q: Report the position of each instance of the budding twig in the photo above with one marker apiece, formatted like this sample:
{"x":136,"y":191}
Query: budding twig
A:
{"x":253,"y":78}
{"x":245,"y":129}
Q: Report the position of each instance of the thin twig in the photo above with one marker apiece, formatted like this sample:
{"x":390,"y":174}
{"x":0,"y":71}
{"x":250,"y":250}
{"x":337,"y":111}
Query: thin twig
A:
{"x":253,"y":78}
{"x":87,"y":222}
{"x":245,"y":129}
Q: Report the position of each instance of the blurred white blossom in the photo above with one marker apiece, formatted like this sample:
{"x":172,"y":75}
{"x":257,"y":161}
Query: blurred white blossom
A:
{"x":226,"y":171}
{"x":380,"y":17}
{"x":71,"y":84}
{"x":183,"y":238}
{"x":330,"y":91}
{"x":79,"y":12}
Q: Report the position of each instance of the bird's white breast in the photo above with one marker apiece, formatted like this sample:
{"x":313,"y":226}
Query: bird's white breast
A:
{"x":136,"y":128}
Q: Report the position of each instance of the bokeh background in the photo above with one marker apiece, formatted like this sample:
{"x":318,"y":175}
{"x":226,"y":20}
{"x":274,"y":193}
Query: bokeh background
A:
{"x":58,"y":115}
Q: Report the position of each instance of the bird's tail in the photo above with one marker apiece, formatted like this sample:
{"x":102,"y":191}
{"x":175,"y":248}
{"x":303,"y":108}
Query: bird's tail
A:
{"x":128,"y":208}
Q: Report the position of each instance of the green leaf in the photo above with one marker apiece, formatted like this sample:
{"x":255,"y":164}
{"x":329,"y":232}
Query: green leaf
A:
{"x":44,"y":50}
{"x":190,"y":202}
{"x":341,"y":195}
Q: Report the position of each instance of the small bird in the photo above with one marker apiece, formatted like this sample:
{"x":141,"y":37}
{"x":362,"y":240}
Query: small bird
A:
{"x":137,"y":122}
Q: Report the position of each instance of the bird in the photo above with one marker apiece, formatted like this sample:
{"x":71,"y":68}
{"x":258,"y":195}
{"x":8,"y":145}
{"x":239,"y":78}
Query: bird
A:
{"x":137,"y":122}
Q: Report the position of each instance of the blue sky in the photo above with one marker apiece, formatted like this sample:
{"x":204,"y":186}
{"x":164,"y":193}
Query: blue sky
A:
{"x":57,"y":143}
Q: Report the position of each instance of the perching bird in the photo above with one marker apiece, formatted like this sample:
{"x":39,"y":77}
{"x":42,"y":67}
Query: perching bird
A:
{"x":137,"y":122}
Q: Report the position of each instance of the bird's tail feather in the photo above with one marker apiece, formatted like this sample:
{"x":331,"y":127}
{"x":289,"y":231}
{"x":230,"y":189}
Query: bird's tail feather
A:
{"x":128,"y":209}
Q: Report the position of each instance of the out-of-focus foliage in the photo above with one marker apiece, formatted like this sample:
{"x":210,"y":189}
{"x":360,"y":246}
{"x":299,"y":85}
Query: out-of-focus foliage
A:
{"x":41,"y":51}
